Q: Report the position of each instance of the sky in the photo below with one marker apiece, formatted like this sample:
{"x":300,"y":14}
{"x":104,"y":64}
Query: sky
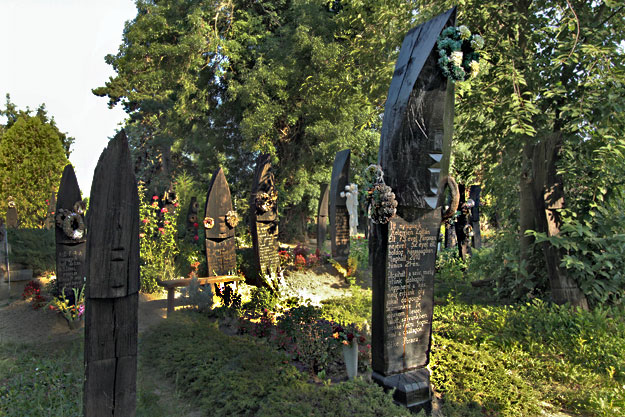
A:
{"x":53,"y":52}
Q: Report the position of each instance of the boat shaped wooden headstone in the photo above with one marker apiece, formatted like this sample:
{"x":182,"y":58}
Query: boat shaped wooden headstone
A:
{"x":220,"y":249}
{"x":339,"y":216}
{"x":414,"y":146}
{"x":71,"y":240}
{"x":112,"y":285}
{"x":322,"y":217}
{"x":264,"y":217}
{"x":11,"y":214}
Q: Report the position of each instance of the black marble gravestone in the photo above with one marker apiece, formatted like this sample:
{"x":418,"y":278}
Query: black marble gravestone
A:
{"x":339,"y":217}
{"x":322,"y":217}
{"x":474,"y":194}
{"x":264,"y":217}
{"x":11,"y":214}
{"x":219,"y":223}
{"x":414,"y":147}
{"x":70,"y":234}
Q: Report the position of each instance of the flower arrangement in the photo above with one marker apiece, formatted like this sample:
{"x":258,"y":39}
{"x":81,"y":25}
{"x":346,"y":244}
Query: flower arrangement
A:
{"x":72,"y":311}
{"x":457,"y":49}
{"x":379,"y":196}
{"x":232,"y":219}
{"x":266,"y":201}
{"x":209,"y":222}
{"x":32,"y":292}
{"x":346,"y":335}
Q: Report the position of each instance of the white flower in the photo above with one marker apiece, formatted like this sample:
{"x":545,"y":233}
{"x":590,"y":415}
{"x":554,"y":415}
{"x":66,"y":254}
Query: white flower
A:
{"x":456,"y":58}
{"x":477,"y":42}
{"x":475,"y":68}
{"x":465,"y":33}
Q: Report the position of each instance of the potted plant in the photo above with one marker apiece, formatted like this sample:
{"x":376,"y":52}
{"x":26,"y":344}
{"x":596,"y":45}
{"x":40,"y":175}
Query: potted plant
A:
{"x":72,"y":311}
{"x":349,"y":337}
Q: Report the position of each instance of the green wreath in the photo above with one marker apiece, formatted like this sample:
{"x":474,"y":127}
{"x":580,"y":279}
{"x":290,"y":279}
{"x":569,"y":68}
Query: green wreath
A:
{"x":457,"y":49}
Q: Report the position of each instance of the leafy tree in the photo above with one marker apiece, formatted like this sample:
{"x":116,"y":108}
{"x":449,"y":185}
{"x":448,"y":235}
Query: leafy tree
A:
{"x":553,"y":80}
{"x":32,"y":158}
{"x":210,"y":83}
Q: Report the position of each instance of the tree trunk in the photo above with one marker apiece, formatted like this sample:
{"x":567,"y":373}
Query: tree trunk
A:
{"x":549,"y":195}
{"x":527,"y":209}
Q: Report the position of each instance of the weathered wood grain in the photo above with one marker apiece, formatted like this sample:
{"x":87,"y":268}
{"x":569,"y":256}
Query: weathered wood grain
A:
{"x":339,"y":217}
{"x":112,"y":286}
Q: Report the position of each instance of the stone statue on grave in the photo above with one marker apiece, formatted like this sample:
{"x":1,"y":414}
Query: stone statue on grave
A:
{"x":351,"y":201}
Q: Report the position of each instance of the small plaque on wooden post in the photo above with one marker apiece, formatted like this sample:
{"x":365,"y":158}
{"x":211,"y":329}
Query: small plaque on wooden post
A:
{"x":111,"y":305}
{"x":219,"y":223}
{"x":264,"y":218}
{"x":11,"y":214}
{"x":322,"y":217}
{"x":339,"y":216}
{"x":416,"y":135}
{"x":71,"y":246}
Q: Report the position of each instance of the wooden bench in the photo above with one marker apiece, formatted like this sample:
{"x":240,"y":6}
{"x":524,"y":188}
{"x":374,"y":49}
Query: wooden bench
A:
{"x":172,"y":284}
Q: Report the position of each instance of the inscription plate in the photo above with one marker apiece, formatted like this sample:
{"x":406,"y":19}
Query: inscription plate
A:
{"x":411,"y":258}
{"x":70,"y":269}
{"x":342,"y":231}
{"x":220,"y":257}
{"x":268,"y":247}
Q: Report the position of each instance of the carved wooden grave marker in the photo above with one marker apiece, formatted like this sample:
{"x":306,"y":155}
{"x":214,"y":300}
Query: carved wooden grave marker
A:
{"x":71,"y":246}
{"x":416,"y":135}
{"x":112,"y":286}
{"x":11,"y":214}
{"x":219,"y":223}
{"x":474,"y":194}
{"x":50,"y":217}
{"x":264,"y":217}
{"x":322,"y":217}
{"x":193,"y":220}
{"x":339,"y":217}
{"x":463,"y":225}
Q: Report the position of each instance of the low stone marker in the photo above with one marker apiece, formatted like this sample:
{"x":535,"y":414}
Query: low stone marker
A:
{"x":219,"y":223}
{"x":339,"y":216}
{"x":414,"y":155}
{"x":322,"y":217}
{"x":264,"y":218}
{"x":111,"y":304}
{"x":71,"y":240}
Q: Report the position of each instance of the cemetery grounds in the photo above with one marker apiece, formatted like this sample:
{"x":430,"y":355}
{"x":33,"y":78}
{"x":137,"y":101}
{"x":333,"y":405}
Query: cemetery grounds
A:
{"x":273,"y":356}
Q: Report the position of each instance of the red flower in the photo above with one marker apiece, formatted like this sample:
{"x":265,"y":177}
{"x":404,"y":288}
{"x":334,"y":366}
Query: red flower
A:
{"x":196,"y":237}
{"x":155,"y":197}
{"x":196,"y":225}
{"x":160,"y":229}
{"x":164,"y":210}
{"x":176,"y":204}
{"x":166,"y":222}
{"x":145,"y":221}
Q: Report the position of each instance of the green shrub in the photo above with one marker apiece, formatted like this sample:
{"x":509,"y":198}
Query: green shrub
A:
{"x":261,"y":299}
{"x":35,"y":248}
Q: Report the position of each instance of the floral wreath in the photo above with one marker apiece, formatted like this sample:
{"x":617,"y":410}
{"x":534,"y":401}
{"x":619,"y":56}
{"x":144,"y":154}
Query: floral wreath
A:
{"x":11,"y":202}
{"x":232,"y":219}
{"x":209,"y":222}
{"x":71,"y":223}
{"x":457,"y":49}
{"x":379,"y":196}
{"x":266,"y":201}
